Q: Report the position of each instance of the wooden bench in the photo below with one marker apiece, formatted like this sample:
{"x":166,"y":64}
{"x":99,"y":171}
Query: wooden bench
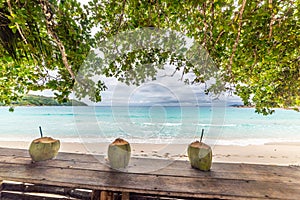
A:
{"x":176,"y":180}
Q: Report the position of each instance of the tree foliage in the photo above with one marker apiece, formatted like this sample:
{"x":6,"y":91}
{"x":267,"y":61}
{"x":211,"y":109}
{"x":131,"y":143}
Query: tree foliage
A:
{"x":34,"y":100}
{"x":31,"y":59}
{"x":254,"y":45}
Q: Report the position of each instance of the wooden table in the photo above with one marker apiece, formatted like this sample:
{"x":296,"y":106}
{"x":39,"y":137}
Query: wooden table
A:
{"x":177,"y":179}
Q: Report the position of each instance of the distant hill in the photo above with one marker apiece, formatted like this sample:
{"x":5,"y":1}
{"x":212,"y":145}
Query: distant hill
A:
{"x":34,"y":100}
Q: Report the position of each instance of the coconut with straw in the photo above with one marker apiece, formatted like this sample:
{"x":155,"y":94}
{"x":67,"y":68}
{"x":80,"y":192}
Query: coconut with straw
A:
{"x":43,"y":148}
{"x":200,"y":154}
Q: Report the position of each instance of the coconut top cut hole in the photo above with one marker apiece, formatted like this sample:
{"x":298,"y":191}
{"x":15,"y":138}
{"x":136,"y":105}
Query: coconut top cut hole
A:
{"x":198,"y":144}
{"x":45,"y":140}
{"x":119,"y":141}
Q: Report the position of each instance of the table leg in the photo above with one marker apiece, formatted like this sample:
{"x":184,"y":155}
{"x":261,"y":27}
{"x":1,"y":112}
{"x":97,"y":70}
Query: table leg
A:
{"x":105,"y":195}
{"x":125,"y":195}
{"x":1,"y":188}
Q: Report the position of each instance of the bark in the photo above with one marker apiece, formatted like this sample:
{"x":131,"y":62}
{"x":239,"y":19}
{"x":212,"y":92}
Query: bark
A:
{"x":45,"y":5}
{"x":234,"y":48}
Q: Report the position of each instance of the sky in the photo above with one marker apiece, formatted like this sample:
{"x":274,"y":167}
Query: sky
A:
{"x":166,"y":90}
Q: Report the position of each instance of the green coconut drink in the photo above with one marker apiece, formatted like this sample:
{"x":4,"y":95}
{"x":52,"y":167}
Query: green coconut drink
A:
{"x":200,"y":155}
{"x":43,"y":148}
{"x":119,"y":154}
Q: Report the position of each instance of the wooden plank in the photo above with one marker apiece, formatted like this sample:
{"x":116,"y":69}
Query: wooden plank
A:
{"x":148,"y":165}
{"x":25,"y":187}
{"x":280,"y":176}
{"x":154,"y":197}
{"x":12,"y":151}
{"x":149,"y":184}
{"x":80,"y":194}
{"x":233,"y":173}
{"x":135,"y":162}
{"x":181,"y":168}
{"x":7,"y":195}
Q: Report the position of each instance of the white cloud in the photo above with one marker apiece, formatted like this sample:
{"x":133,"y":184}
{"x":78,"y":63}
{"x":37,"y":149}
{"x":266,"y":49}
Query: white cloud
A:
{"x":164,"y":91}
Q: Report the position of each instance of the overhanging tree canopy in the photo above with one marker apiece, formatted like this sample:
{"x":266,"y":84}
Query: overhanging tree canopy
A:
{"x":31,"y":57}
{"x":254,"y":44}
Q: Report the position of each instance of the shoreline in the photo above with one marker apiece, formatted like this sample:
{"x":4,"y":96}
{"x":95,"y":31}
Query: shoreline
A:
{"x":270,"y":153}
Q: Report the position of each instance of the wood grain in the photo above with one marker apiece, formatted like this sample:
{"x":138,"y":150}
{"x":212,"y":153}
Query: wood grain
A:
{"x":176,"y":179}
{"x":31,"y":188}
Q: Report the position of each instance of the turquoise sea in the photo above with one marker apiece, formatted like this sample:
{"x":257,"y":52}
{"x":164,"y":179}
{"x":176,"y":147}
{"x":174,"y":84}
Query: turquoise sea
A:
{"x":222,"y":125}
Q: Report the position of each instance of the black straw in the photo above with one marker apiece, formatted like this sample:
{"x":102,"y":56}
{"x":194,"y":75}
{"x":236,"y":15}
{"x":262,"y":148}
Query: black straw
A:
{"x":201,"y":135}
{"x":41,"y":132}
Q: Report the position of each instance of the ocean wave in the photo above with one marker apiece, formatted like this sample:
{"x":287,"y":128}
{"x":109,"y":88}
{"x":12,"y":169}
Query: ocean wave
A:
{"x":172,"y":124}
{"x":241,"y":127}
{"x":156,"y":124}
{"x":218,"y":125}
{"x":247,"y":125}
{"x":54,"y":114}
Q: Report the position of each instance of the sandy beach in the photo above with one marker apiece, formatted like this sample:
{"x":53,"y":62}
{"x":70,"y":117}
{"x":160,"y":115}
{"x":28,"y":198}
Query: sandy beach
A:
{"x":270,"y":153}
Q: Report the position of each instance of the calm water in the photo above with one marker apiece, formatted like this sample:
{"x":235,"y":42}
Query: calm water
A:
{"x":222,"y":125}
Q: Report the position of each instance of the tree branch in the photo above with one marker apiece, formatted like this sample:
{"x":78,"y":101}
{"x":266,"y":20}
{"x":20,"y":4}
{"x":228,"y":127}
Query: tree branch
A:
{"x":219,"y":36}
{"x":205,"y":25}
{"x":212,"y":19}
{"x":159,"y":13}
{"x":237,"y":37}
{"x":272,"y":18}
{"x":122,"y":15}
{"x":45,"y":5}
{"x":17,"y":25}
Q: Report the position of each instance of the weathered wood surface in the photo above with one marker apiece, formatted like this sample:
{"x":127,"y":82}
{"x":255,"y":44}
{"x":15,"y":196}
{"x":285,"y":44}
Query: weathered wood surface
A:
{"x":17,"y":189}
{"x":177,"y":178}
{"x":21,"y":196}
